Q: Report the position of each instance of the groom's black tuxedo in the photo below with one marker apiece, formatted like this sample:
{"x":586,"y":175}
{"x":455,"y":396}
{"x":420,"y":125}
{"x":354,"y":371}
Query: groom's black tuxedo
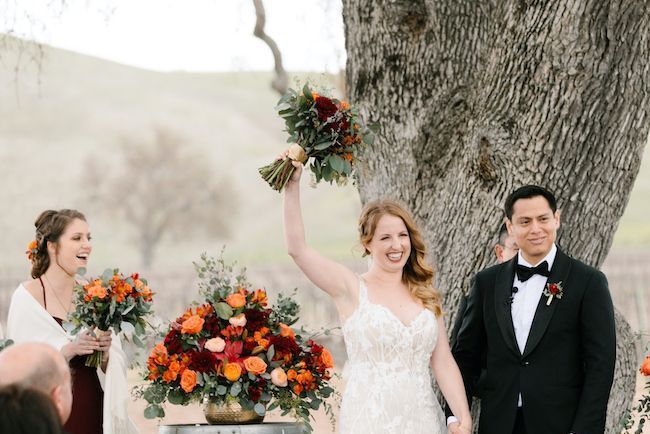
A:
{"x":566,"y":370}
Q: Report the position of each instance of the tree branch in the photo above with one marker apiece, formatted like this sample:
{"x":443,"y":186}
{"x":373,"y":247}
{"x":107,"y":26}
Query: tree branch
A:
{"x":281,"y":81}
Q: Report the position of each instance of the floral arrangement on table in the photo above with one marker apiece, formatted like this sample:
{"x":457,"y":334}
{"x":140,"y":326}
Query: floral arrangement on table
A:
{"x":641,"y":410}
{"x":115,"y":301}
{"x":329,"y":131}
{"x":236,"y":348}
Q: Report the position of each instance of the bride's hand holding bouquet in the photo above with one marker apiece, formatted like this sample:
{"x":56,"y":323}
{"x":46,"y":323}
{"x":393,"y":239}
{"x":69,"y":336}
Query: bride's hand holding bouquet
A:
{"x":324,"y":132}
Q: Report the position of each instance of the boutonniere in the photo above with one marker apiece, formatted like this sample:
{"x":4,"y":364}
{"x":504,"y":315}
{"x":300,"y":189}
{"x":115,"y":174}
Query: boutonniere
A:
{"x":553,"y":290}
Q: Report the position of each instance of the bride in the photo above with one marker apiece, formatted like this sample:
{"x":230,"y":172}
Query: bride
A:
{"x":392,"y":324}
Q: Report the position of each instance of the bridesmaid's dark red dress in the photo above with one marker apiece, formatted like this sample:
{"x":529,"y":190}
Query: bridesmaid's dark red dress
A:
{"x":87,"y":395}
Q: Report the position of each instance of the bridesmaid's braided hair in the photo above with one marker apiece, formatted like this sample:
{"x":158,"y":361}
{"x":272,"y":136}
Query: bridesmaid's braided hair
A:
{"x":417,"y":274}
{"x":50,"y":225}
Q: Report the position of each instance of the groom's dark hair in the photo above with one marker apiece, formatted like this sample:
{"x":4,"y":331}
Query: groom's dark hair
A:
{"x":526,"y":192}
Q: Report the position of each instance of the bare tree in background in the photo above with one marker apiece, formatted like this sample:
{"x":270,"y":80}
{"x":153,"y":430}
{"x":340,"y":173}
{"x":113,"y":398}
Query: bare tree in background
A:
{"x":161,"y":189}
{"x":477,"y":98}
{"x":280,"y":82}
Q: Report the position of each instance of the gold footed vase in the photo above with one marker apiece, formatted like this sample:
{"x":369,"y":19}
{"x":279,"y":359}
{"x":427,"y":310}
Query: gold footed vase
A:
{"x":230,"y":413}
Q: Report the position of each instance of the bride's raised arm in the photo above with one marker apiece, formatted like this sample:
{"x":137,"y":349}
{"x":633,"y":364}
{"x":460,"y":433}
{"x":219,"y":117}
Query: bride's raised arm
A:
{"x":333,"y":278}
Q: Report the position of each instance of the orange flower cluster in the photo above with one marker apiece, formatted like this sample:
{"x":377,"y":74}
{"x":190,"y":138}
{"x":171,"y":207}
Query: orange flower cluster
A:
{"x":645,"y":367}
{"x":32,"y":249}
{"x":119,"y":288}
{"x":241,"y":346}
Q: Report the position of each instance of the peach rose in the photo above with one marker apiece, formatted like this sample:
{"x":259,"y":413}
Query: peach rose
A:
{"x":216,"y":345}
{"x":279,"y":377}
{"x":232,"y":371}
{"x":255,"y":365}
{"x":188,"y":380}
{"x":236,"y":300}
{"x":286,"y":331}
{"x":645,"y":367}
{"x":192,"y":325}
{"x":238,"y":321}
{"x":326,"y":357}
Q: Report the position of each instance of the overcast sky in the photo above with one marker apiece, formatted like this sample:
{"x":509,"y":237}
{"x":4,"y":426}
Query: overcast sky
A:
{"x":190,"y":35}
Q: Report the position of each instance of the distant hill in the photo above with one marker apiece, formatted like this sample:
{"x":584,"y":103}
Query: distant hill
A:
{"x":77,"y":106}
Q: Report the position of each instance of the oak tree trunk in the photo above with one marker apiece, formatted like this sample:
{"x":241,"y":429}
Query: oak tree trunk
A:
{"x":477,"y":98}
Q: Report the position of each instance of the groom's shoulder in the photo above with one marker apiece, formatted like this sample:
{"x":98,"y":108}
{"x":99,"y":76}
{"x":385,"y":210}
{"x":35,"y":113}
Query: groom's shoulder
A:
{"x":577,"y":266}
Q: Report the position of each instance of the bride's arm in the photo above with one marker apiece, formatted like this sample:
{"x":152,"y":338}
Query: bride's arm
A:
{"x":331,"y":277}
{"x":449,"y":379}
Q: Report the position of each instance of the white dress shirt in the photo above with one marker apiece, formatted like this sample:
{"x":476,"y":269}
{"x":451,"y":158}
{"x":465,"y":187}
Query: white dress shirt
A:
{"x":526,"y":299}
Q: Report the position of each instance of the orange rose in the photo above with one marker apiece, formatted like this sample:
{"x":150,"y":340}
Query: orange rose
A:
{"x":188,"y":380}
{"x":232,"y":371}
{"x":255,"y":365}
{"x":297,"y":389}
{"x":645,"y":367}
{"x":286,"y":331}
{"x":345,"y":105}
{"x":236,"y":300}
{"x":169,"y":376}
{"x":327,"y":359}
{"x":291,"y":374}
{"x":192,"y":325}
{"x":279,"y":377}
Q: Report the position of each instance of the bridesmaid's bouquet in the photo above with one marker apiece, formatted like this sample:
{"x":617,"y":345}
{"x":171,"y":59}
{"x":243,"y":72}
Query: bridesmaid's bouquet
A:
{"x":236,"y":348}
{"x":327,"y":131}
{"x":112,"y":301}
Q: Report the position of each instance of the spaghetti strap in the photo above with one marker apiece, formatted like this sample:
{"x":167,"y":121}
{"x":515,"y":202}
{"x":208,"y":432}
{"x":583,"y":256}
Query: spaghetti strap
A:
{"x":43,"y":286}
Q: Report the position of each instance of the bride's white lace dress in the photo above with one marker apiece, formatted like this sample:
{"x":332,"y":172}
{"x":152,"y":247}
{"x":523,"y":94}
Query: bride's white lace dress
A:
{"x":388,"y":378}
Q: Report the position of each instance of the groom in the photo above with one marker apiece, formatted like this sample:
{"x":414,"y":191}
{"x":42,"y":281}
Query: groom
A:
{"x":543,"y":323}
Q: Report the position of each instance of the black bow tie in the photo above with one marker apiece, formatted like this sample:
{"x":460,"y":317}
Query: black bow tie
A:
{"x":524,"y":273}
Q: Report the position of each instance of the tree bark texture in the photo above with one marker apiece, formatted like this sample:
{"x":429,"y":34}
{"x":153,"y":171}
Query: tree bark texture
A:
{"x":477,"y":98}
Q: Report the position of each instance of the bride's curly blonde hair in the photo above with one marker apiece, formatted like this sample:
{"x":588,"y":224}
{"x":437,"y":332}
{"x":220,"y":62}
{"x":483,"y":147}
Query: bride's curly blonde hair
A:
{"x":417,"y":274}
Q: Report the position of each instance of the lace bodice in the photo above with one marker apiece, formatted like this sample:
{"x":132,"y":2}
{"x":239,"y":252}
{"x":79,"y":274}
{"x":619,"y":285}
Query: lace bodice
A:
{"x":388,"y":378}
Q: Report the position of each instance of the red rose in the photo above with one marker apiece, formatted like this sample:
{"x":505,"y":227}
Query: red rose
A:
{"x":325,"y":108}
{"x":553,"y":289}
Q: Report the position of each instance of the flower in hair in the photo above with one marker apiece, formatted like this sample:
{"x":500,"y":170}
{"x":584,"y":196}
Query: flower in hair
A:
{"x":32,"y":250}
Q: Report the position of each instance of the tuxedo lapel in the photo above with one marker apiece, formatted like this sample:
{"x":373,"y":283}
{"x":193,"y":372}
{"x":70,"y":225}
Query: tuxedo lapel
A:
{"x":503,"y":303}
{"x":544,"y":312}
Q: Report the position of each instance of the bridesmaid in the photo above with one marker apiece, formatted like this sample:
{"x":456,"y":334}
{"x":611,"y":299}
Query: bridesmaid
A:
{"x":40,"y":305}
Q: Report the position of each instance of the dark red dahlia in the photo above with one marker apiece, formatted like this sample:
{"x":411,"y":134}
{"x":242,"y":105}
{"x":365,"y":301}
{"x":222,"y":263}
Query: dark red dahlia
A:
{"x":173,"y":342}
{"x":203,"y":361}
{"x":256,"y":319}
{"x":325,"y":108}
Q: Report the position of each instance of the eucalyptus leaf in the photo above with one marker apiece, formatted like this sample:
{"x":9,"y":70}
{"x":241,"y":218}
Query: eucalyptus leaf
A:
{"x":154,"y":411}
{"x":260,"y":409}
{"x":224,"y":311}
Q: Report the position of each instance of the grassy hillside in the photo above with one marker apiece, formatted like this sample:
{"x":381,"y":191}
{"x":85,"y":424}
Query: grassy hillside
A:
{"x":79,"y":106}
{"x":76,"y":106}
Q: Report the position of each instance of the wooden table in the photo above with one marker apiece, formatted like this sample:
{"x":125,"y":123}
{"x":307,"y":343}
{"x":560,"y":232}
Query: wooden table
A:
{"x":262,"y":428}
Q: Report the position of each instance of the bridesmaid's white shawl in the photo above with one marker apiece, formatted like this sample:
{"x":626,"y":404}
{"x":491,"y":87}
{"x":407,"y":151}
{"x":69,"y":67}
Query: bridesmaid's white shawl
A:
{"x":28,"y":321}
